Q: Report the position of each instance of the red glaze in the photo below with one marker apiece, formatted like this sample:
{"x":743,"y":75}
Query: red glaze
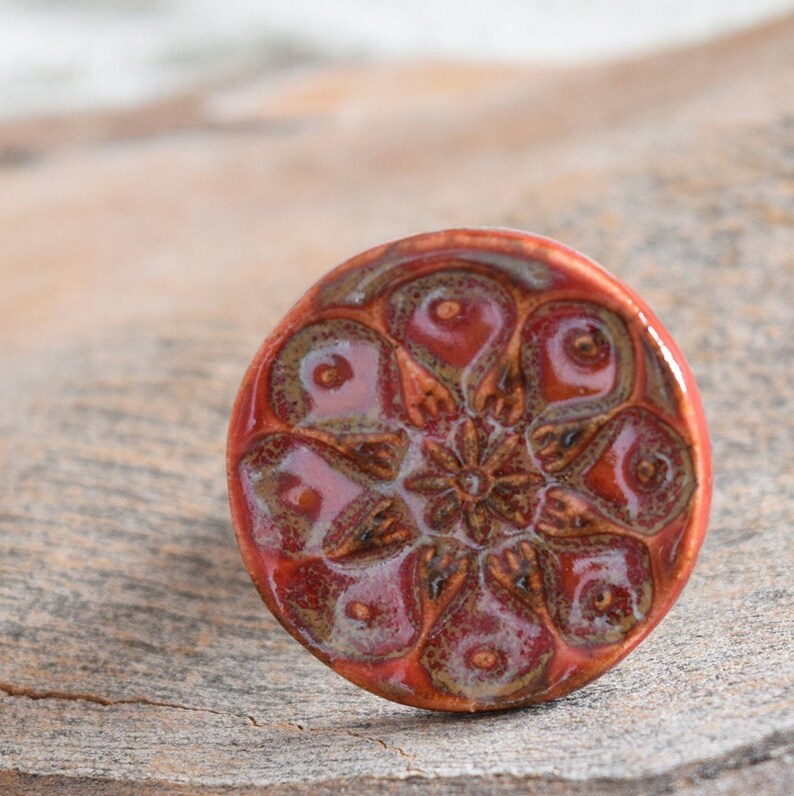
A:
{"x":469,"y":470}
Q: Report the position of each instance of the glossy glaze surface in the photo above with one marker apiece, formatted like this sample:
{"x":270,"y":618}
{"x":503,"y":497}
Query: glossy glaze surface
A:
{"x":469,"y":470}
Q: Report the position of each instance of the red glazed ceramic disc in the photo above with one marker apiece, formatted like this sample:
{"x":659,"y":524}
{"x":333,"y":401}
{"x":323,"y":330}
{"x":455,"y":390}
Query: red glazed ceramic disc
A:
{"x":469,"y":470}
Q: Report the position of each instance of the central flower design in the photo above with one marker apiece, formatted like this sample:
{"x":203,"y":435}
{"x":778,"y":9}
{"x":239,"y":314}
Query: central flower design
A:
{"x":481,"y":478}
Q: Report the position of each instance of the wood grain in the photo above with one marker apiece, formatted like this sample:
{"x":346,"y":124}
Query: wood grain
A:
{"x":138,"y":273}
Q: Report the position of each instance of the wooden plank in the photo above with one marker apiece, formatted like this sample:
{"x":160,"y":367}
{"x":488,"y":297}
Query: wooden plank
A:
{"x":138,"y":275}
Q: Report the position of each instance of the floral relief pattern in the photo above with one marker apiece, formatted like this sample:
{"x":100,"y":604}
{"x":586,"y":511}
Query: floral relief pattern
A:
{"x":483,"y":486}
{"x":468,"y":539}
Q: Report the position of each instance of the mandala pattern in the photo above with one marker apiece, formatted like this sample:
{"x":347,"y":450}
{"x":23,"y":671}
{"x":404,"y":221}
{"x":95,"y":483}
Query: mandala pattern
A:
{"x":461,"y":487}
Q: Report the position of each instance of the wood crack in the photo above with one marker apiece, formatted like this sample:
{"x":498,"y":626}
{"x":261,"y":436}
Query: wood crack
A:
{"x":67,"y":696}
{"x":409,"y":758}
{"x":281,"y":725}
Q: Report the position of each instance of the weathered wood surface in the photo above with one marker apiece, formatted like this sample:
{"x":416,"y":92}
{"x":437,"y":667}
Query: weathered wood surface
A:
{"x":142,"y":260}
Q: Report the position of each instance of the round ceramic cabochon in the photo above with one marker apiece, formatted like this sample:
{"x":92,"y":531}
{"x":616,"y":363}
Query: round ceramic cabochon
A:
{"x":469,"y":470}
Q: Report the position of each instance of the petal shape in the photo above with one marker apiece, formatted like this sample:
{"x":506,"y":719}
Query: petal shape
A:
{"x":638,"y":471}
{"x":444,"y":512}
{"x":557,"y":443}
{"x":514,"y":570}
{"x":362,"y":612}
{"x":428,"y":483}
{"x":488,"y":651}
{"x":446,"y":571}
{"x":576,"y":353}
{"x":335,"y":373}
{"x":597,"y":588}
{"x":521,"y":480}
{"x":378,"y":455}
{"x":296,"y":490}
{"x":382,"y":528}
{"x":516,"y":507}
{"x":443,"y":456}
{"x":454,"y":323}
{"x":478,"y":521}
{"x":502,"y":452}
{"x":469,"y":443}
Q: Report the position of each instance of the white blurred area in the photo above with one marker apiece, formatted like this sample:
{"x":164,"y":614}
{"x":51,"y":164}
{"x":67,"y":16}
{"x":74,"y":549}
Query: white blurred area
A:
{"x":58,"y":55}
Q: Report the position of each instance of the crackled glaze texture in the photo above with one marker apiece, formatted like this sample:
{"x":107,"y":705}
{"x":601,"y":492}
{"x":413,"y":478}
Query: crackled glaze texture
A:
{"x":469,"y":470}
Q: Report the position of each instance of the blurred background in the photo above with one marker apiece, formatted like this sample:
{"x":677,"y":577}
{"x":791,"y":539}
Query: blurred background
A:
{"x":59,"y":55}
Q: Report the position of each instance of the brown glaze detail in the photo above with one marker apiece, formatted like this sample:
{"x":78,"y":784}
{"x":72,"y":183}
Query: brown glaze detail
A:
{"x":516,"y":571}
{"x":378,"y":455}
{"x":384,"y":528}
{"x":501,"y":393}
{"x":424,"y":397}
{"x":659,"y":386}
{"x":295,"y":486}
{"x":565,"y":512}
{"x":463,"y":472}
{"x":445,"y":572}
{"x":557,"y":444}
{"x":479,"y":482}
{"x":396,"y":262}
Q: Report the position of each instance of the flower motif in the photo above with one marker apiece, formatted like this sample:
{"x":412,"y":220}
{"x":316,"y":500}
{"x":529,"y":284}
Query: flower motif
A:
{"x":481,"y":484}
{"x":452,"y":486}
